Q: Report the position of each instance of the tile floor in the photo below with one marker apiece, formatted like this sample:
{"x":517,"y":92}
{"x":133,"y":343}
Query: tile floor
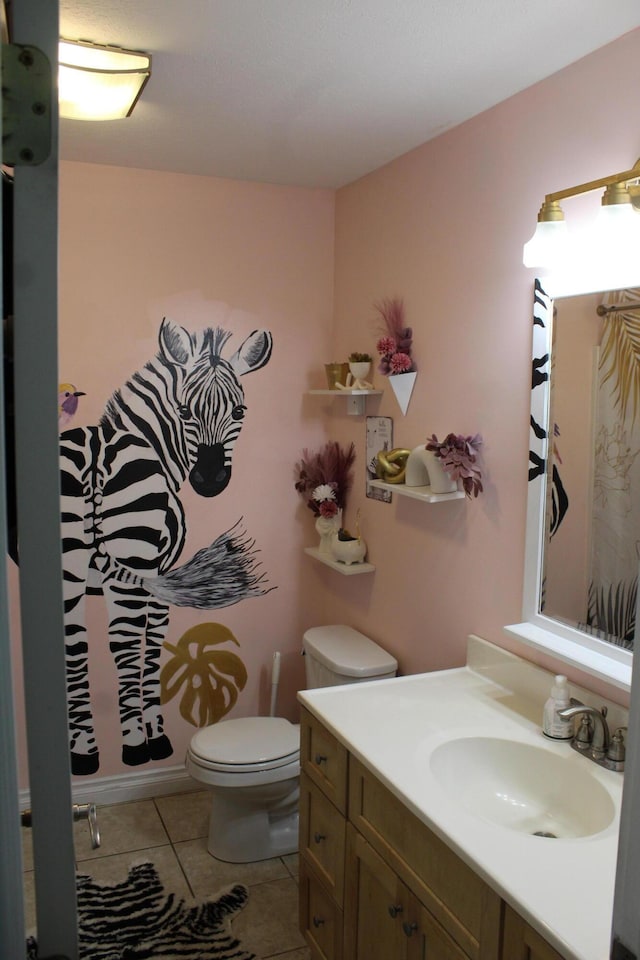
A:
{"x":172,"y":832}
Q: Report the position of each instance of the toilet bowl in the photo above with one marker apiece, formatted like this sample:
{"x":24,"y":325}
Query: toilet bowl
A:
{"x":251,"y":765}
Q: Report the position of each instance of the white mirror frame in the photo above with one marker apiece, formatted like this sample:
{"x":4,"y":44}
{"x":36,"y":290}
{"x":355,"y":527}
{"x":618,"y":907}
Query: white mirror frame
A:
{"x":561,"y":641}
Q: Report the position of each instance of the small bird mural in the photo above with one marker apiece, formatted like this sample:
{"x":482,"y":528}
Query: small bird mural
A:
{"x":67,"y":404}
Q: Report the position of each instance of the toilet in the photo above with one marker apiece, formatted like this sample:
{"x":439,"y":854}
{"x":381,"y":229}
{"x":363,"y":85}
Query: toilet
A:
{"x":251,"y":765}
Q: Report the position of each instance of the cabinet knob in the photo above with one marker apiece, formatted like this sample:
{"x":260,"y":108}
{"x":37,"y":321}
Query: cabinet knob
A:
{"x":319,"y":837}
{"x":318,"y":922}
{"x":395,"y":909}
{"x":409,"y":928}
{"x":320,"y":758}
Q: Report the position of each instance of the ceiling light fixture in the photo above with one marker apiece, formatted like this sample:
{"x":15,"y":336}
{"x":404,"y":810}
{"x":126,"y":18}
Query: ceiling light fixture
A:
{"x":99,"y":82}
{"x":612,"y":243}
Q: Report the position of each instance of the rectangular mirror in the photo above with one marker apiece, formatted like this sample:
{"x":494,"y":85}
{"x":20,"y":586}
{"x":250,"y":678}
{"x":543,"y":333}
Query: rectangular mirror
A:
{"x":583,"y":515}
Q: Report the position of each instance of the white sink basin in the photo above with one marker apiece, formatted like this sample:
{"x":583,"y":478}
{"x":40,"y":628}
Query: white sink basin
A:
{"x":523,"y":787}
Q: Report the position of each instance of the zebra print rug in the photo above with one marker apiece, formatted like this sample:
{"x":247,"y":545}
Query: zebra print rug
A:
{"x":137,"y":920}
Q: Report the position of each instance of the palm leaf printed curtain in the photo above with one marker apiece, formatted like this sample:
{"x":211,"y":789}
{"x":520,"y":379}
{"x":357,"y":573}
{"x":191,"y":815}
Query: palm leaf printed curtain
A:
{"x":615,"y":549}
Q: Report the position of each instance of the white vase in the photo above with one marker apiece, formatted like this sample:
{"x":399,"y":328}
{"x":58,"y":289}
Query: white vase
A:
{"x":326,"y":527}
{"x":439,"y":479}
{"x":402,"y":385}
{"x":416,"y":473}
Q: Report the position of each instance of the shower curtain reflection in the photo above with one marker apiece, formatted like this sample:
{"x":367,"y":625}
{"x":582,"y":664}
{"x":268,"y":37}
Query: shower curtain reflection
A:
{"x":615,"y":549}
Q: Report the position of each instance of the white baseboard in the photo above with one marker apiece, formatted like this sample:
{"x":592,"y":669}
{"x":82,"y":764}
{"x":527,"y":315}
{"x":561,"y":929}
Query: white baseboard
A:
{"x":125,"y":787}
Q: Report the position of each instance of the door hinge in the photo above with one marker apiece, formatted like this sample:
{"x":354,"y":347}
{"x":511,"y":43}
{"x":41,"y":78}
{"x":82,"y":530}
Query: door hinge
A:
{"x":26,"y":105}
{"x":620,"y":952}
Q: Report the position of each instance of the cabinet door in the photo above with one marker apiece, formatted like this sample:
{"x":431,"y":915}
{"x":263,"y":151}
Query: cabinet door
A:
{"x":521,"y":942}
{"x":376,"y":903}
{"x":426,"y":938}
{"x":383,"y":919}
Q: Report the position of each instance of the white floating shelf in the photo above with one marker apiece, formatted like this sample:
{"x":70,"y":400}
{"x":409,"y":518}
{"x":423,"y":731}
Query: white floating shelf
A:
{"x":355,"y":398}
{"x":346,"y":569}
{"x":417,"y":493}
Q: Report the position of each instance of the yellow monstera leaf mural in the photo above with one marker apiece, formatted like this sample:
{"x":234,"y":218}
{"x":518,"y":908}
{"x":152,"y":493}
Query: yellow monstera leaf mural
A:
{"x":211,"y":678}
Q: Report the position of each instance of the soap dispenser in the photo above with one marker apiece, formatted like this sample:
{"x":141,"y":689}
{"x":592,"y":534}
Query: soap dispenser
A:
{"x":554,"y":726}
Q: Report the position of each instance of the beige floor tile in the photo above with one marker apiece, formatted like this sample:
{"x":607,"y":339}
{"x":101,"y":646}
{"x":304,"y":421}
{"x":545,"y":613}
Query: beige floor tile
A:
{"x":268,"y":925}
{"x":206,"y":875}
{"x":185,"y":815}
{"x":115,"y":869}
{"x":124,"y":827}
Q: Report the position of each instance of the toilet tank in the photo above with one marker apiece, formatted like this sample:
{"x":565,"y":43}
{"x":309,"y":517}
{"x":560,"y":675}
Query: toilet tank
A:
{"x":339,"y":654}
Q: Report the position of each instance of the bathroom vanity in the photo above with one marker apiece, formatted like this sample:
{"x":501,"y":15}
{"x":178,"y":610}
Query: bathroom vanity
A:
{"x":403,"y":852}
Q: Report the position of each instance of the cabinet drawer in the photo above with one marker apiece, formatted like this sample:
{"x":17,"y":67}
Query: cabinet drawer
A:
{"x":466,"y":907}
{"x":322,"y":837}
{"x":320,"y":916}
{"x":324,"y":760}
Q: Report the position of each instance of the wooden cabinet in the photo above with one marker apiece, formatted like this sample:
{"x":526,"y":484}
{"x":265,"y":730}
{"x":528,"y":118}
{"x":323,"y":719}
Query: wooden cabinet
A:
{"x":323,"y":823}
{"x":321,"y":921}
{"x":377,"y":884}
{"x":323,"y":760}
{"x":522,"y":942}
{"x":322,"y":839}
{"x":384,"y":919}
{"x":456,"y":897}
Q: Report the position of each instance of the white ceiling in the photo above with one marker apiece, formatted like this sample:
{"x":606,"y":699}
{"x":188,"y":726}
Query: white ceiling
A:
{"x":320,"y":92}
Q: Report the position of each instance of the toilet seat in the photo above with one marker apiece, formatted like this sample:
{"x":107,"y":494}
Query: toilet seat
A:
{"x":246,"y":745}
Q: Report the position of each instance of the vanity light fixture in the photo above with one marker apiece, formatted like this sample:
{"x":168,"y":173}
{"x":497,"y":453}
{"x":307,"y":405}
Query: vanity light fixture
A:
{"x":98,"y":82}
{"x":614,"y":237}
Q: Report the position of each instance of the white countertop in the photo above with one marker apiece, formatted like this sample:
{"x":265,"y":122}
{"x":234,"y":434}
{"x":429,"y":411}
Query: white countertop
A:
{"x":562,"y":887}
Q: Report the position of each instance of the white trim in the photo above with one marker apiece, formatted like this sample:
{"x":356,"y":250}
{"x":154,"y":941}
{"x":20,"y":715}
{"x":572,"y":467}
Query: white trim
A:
{"x":579,"y":650}
{"x":122,"y":788}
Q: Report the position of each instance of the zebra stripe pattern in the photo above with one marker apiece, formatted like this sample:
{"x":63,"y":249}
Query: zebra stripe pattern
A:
{"x":123,"y":525}
{"x":138,"y":919}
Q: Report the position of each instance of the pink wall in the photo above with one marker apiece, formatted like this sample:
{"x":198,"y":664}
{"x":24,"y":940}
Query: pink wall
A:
{"x":443,"y":227}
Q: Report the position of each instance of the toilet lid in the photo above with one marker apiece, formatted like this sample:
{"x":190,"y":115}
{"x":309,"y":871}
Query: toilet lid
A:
{"x":247,"y":740}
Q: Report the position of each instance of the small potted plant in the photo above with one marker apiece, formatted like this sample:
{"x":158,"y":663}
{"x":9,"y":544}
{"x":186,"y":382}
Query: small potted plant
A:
{"x":359,"y":364}
{"x":458,"y":456}
{"x":346,"y":548}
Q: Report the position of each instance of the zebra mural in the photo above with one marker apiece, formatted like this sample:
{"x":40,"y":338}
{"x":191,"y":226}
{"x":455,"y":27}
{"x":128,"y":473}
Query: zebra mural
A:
{"x":123,"y":525}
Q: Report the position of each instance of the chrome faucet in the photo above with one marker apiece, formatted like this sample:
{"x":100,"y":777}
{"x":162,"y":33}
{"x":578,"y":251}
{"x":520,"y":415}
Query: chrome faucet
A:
{"x":593,"y":738}
{"x":600,"y":740}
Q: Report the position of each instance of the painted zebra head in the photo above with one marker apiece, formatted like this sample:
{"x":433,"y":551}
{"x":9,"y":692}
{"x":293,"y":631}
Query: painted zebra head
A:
{"x":209,"y":398}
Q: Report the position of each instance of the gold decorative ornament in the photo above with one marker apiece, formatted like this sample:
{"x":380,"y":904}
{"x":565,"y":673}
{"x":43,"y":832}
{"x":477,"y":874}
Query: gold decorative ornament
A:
{"x":391,"y":465}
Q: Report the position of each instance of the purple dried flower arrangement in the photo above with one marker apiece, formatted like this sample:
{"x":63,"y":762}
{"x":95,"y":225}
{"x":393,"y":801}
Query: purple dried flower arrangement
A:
{"x":459,"y":457}
{"x":325,"y":478}
{"x":394,"y":346}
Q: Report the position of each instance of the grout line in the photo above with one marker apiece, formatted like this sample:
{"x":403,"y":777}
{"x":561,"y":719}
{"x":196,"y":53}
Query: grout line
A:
{"x":174,"y":851}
